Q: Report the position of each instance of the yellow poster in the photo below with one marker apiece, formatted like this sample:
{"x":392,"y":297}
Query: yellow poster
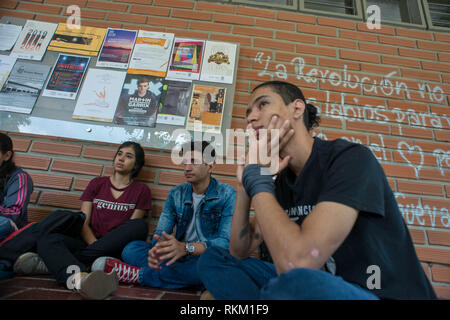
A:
{"x":86,"y":40}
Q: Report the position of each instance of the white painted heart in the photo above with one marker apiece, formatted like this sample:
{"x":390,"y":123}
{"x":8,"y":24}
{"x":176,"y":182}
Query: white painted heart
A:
{"x":411,"y":149}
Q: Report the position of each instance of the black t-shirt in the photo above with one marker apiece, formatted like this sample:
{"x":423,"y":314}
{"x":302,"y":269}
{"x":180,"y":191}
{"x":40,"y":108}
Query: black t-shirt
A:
{"x":135,"y":110}
{"x":349,"y":174}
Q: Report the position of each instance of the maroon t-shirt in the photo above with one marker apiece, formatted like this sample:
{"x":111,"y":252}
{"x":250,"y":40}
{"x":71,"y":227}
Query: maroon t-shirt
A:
{"x":108,"y":212}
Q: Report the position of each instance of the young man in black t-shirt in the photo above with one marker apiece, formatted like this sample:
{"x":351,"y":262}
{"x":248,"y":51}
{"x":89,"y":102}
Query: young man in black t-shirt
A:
{"x":329,"y":222}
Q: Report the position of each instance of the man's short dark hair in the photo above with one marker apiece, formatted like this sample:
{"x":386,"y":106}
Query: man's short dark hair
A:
{"x":289,"y":93}
{"x":143,"y":79}
{"x":204,"y":147}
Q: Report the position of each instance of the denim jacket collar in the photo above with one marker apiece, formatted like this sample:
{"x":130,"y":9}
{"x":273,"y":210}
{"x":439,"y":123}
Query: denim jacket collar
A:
{"x":210,"y":194}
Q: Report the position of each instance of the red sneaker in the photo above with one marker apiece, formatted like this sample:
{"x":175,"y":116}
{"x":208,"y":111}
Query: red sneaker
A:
{"x":126,"y":273}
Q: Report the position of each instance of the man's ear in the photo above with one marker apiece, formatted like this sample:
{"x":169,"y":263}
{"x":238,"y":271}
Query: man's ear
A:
{"x":211,"y":167}
{"x":298,"y":108}
{"x":7,"y":155}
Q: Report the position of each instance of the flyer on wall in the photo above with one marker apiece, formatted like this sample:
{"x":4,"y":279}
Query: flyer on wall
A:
{"x":218,"y":62}
{"x":186,"y":59}
{"x":206,"y":108}
{"x":21,"y":90}
{"x":139,"y":100}
{"x":117,"y":48}
{"x":33,"y":40}
{"x":6,"y":65}
{"x":175,"y":103}
{"x":9,"y":33}
{"x":99,"y":95}
{"x":85,"y":40}
{"x":151,"y":53}
{"x":66,"y":77}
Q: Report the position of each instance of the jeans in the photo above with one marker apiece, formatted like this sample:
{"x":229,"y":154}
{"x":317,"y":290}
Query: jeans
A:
{"x":6,"y":227}
{"x":227,"y":277}
{"x":59,"y":251}
{"x":180,"y":274}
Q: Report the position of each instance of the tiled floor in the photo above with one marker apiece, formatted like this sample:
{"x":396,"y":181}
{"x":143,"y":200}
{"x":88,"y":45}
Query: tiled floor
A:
{"x":45,"y":288}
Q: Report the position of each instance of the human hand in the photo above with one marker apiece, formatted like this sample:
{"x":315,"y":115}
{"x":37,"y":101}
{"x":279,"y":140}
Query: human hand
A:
{"x":154,"y":260}
{"x":170,"y":248}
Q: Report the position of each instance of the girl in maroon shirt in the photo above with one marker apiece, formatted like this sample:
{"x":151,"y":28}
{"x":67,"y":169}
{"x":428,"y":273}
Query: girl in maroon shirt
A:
{"x":114,"y":208}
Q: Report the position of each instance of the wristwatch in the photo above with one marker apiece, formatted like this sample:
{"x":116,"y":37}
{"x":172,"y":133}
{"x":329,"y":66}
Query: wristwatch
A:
{"x":190,"y":248}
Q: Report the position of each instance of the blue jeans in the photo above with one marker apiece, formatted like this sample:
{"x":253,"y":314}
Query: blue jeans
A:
{"x":6,"y":227}
{"x":182,"y":273}
{"x":227,"y":277}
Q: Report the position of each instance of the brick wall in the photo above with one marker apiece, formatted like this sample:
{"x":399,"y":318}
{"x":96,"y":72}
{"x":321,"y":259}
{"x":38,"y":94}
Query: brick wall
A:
{"x":387,"y":89}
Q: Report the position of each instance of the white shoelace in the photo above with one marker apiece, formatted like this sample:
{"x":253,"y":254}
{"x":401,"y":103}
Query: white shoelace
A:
{"x":126,"y":273}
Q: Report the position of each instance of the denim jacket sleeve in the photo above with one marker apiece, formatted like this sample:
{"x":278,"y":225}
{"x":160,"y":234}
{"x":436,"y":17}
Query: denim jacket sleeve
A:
{"x":223,"y":235}
{"x":168,"y":217}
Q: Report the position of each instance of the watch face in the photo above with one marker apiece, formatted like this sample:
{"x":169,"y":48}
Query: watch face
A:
{"x":190,"y":247}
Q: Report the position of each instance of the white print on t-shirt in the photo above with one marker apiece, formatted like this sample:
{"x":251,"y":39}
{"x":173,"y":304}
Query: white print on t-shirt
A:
{"x":116,"y":206}
{"x":295,"y":213}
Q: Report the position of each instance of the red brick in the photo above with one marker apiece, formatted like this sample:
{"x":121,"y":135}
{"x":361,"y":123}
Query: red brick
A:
{"x":296,"y":17}
{"x":81,"y":184}
{"x":417,"y":235}
{"x":420,"y":54}
{"x":440,"y":238}
{"x":146,"y":175}
{"x":437,"y":175}
{"x":273,"y":44}
{"x":125,"y":17}
{"x":226,"y":18}
{"x":274,"y":24}
{"x":56,"y":148}
{"x":419,"y":188}
{"x":51,"y":181}
{"x":254,"y":12}
{"x":442,"y":135}
{"x":79,"y":167}
{"x":371,"y":47}
{"x":102,"y":24}
{"x":60,"y":200}
{"x":436,"y":46}
{"x":415,"y":34}
{"x":378,"y":69}
{"x":399,"y":171}
{"x":443,"y":37}
{"x":174,"y":3}
{"x":397,"y":41}
{"x":20,"y":145}
{"x":213,"y":27}
{"x":171,"y":178}
{"x":167,"y":22}
{"x":107,"y":5}
{"x":400,"y":62}
{"x":189,"y":14}
{"x":14,"y":13}
{"x":325,"y":62}
{"x":436,"y":66}
{"x":150,"y":10}
{"x":252,"y":32}
{"x":357,"y":35}
{"x":80,"y":3}
{"x":368,"y":127}
{"x":444,"y":57}
{"x":441,"y":274}
{"x":51,"y":19}
{"x":40,"y":8}
{"x":93,"y":152}
{"x":32,"y":162}
{"x":216,"y":7}
{"x":420,"y":74}
{"x":433,"y":255}
{"x":359,"y":56}
{"x":338,"y":23}
{"x":412,"y":132}
{"x":37,"y":214}
{"x":315,"y":50}
{"x":8,"y":4}
{"x":92,"y":14}
{"x":159,"y":193}
{"x":319,"y":30}
{"x":339,"y":43}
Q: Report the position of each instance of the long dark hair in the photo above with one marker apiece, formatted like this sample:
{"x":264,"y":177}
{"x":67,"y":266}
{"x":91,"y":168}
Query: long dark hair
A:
{"x":139,"y":155}
{"x":7,"y":167}
{"x":290,"y":92}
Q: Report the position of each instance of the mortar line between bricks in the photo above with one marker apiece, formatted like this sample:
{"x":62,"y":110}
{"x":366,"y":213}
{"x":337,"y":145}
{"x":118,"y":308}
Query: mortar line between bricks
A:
{"x":15,"y":293}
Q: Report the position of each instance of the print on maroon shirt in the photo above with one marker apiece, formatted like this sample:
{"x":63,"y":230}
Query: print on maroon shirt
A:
{"x":108,"y":212}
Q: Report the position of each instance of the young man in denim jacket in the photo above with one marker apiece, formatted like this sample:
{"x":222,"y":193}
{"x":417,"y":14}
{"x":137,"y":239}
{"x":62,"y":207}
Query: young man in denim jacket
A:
{"x":201,"y":210}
